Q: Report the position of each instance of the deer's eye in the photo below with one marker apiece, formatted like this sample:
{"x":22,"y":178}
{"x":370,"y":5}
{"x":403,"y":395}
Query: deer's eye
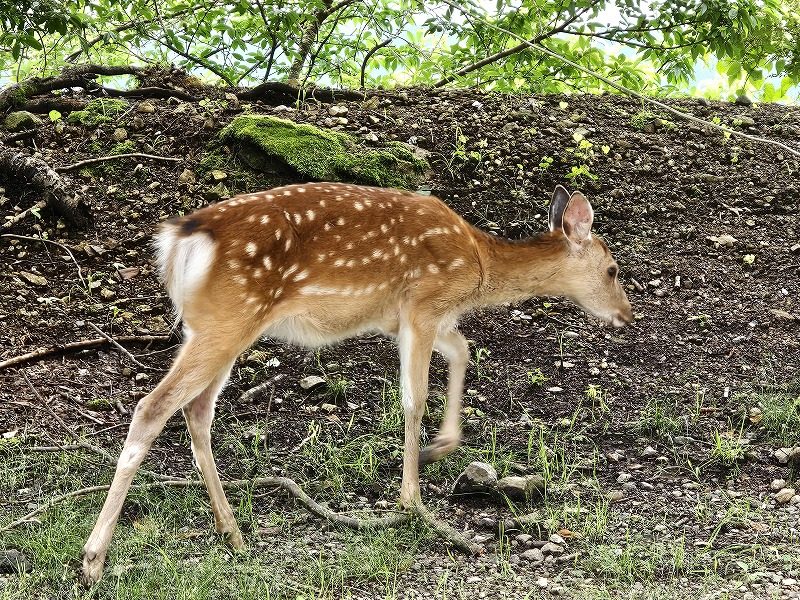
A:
{"x":612,"y":271}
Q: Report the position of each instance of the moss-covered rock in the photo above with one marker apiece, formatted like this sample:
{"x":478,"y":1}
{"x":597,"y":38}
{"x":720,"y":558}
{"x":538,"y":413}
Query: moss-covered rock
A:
{"x":21,"y":119}
{"x":319,"y":154}
{"x":100,"y":110}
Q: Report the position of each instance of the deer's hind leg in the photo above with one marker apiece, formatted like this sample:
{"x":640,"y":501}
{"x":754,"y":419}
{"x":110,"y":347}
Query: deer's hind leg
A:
{"x":199,"y":414}
{"x":198,"y":364}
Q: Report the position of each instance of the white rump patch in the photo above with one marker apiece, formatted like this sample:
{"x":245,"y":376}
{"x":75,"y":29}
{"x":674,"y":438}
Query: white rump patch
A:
{"x":184,"y":263}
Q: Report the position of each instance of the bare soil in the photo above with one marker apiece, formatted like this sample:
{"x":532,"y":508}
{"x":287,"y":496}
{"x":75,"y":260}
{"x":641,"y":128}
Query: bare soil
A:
{"x":716,"y":323}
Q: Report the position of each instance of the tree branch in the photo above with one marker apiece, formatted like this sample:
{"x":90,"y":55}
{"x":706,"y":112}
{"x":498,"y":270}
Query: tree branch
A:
{"x":369,"y":55}
{"x":526,"y":44}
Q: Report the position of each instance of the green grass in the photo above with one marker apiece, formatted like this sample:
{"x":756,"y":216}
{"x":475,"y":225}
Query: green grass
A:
{"x":781,"y":416}
{"x":658,"y":418}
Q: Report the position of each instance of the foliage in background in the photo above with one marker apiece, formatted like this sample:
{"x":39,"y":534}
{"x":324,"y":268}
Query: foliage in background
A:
{"x":650,"y":45}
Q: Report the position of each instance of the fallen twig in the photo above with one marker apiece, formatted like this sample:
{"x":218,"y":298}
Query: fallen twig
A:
{"x":289,"y":485}
{"x":21,"y":215}
{"x":62,"y":246}
{"x":77,"y":346}
{"x":117,"y":345}
{"x":99,"y":159}
{"x":83,"y":443}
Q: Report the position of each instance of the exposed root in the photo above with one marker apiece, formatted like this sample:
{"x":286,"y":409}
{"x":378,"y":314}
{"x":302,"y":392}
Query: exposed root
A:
{"x":39,"y":174}
{"x":290,"y":486}
{"x":99,"y":159}
{"x":42,"y":353}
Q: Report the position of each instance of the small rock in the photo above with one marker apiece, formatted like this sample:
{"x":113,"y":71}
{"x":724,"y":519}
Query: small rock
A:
{"x":649,"y":452}
{"x":542,"y":582}
{"x":120,"y":134}
{"x":784,"y":455}
{"x":777,"y":484}
{"x":533,"y":555}
{"x":551,"y":548}
{"x":477,"y":477}
{"x":743,"y":100}
{"x":557,"y":539}
{"x":524,"y":538}
{"x":521,"y":488}
{"x":784,"y":496}
{"x":337,"y":110}
{"x":146,"y":107}
{"x":218,"y":175}
{"x":13,"y":561}
{"x":744,"y":121}
{"x":624,"y":477}
{"x":33,"y":278}
{"x":311,"y":383}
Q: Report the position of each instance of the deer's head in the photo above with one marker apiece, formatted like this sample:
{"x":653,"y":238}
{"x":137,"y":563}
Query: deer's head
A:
{"x":589,"y":275}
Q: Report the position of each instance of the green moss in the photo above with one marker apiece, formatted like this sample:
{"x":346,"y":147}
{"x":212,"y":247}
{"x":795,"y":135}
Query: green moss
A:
{"x":126,"y":147}
{"x":100,"y":110}
{"x":321,"y":154}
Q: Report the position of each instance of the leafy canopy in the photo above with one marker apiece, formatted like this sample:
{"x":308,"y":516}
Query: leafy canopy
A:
{"x":652,"y":45}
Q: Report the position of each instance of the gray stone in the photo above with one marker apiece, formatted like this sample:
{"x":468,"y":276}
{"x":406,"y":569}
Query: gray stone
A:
{"x":12,"y":562}
{"x":551,"y":548}
{"x":521,"y":488}
{"x":337,"y":110}
{"x":533,"y":555}
{"x":784,"y":496}
{"x":477,"y":477}
{"x":785,"y":455}
{"x":312,"y":382}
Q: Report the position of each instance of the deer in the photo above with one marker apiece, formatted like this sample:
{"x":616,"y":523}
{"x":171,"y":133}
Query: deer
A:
{"x":313,"y":264}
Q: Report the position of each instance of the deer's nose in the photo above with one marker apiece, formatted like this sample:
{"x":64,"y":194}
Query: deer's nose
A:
{"x":622,"y":318}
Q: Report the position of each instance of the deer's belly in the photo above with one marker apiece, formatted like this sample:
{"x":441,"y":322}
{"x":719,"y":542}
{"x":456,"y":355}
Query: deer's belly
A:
{"x":316,"y":331}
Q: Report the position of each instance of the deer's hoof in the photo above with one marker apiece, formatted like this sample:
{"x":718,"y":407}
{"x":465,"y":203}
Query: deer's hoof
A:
{"x":92,"y":570}
{"x":233,"y":538}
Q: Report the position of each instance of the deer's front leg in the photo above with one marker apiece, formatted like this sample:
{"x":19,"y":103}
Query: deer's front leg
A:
{"x":453,"y":346}
{"x":416,"y":346}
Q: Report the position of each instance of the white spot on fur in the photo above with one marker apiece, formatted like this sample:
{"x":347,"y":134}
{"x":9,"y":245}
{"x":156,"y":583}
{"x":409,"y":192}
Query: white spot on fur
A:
{"x":290,"y":270}
{"x":338,"y":262}
{"x":358,"y":206}
{"x":455,"y":264}
{"x":240,"y":279}
{"x":278,"y":234}
{"x":233,"y":264}
{"x":251,"y":219}
{"x":267,"y":262}
{"x":310,"y":215}
{"x":264,"y":220}
{"x":301,"y":189}
{"x":297,"y":218}
{"x":288,"y":244}
{"x":340,"y":221}
{"x":433,"y":268}
{"x":301,"y":275}
{"x":250,"y":249}
{"x":384,"y":227}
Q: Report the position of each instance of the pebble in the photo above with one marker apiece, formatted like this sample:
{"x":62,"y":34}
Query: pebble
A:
{"x":777,"y":484}
{"x":533,"y":555}
{"x":551,"y":548}
{"x":785,"y":495}
{"x":311,"y":382}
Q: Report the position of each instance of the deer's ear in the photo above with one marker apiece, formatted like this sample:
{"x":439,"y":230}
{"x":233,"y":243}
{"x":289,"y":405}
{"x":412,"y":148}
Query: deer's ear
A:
{"x":578,"y":218}
{"x":557,"y":206}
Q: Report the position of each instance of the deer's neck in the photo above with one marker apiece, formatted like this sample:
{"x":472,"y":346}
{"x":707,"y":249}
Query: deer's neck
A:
{"x":518,"y":270}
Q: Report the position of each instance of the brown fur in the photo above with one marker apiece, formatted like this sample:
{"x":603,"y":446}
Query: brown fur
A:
{"x":316,"y":263}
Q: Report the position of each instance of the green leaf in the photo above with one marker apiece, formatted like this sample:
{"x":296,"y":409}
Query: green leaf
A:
{"x":54,"y":115}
